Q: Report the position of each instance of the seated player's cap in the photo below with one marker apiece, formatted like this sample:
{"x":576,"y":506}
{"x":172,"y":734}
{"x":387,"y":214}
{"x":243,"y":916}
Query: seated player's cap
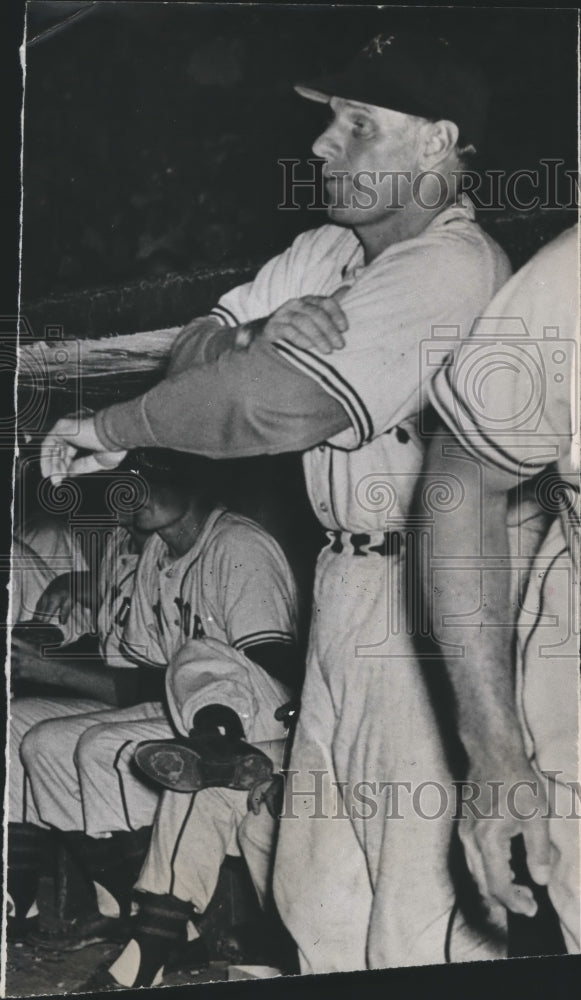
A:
{"x":164,"y":466}
{"x":413,"y":74}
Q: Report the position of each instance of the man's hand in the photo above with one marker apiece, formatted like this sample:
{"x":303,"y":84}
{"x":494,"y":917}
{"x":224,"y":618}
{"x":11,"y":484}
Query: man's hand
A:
{"x":271,"y":792}
{"x":487,"y":840}
{"x":61,"y":595}
{"x":313,"y":321}
{"x":61,"y":448}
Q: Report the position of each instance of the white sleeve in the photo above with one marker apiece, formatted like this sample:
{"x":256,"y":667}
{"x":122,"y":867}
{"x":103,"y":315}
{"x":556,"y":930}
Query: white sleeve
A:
{"x":392,"y":310}
{"x":254,"y":591}
{"x":509,"y":393}
{"x":296,"y":272}
{"x":207,"y":672}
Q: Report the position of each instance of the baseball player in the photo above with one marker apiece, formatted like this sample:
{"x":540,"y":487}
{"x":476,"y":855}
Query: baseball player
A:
{"x":212,"y":589}
{"x":44,"y":551}
{"x":522,"y":731}
{"x":371,"y":891}
{"x":191,"y":837}
{"x":85,"y":687}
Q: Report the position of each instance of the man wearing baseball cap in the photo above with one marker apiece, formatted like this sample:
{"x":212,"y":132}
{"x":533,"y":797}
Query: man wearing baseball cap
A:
{"x":322,"y":353}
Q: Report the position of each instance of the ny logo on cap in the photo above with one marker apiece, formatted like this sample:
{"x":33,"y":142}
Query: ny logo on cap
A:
{"x":377,"y":44}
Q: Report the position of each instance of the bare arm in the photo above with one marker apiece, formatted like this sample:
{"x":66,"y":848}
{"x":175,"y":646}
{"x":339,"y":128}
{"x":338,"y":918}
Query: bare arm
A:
{"x":473,"y":612}
{"x":77,"y":675}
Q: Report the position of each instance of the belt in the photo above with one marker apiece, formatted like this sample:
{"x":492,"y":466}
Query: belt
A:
{"x":391,"y":543}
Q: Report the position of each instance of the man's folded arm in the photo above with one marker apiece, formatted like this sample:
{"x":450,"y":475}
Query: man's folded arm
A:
{"x":243,"y":403}
{"x":200,"y":341}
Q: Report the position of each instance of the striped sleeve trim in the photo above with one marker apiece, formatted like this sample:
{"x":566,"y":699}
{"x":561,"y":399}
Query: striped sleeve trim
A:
{"x":225,"y":315}
{"x":261,"y":638}
{"x":333,"y":383}
{"x":469,"y":432}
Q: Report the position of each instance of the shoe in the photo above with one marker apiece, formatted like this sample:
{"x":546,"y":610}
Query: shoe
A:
{"x":204,"y":760}
{"x":101,"y":981}
{"x":189,"y":957}
{"x":89,"y":932}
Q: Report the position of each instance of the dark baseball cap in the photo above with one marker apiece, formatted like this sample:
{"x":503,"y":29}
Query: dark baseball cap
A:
{"x":165,"y":467}
{"x":415,"y":74}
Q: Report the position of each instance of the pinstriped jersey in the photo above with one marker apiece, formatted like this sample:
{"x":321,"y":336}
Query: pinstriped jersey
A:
{"x":362,"y":479}
{"x":233,"y":585}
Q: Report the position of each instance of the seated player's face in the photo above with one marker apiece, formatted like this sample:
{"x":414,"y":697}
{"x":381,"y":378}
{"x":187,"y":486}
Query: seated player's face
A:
{"x":163,"y":507}
{"x":359,"y":144}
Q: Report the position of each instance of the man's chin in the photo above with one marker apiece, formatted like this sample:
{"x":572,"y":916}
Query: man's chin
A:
{"x":341,"y":216}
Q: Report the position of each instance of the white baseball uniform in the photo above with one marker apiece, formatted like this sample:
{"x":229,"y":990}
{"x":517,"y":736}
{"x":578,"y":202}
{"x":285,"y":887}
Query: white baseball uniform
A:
{"x":361,"y":892}
{"x":234,"y":587}
{"x":116,"y":578}
{"x":191,"y":837}
{"x":370,"y":892}
{"x":525,"y":419}
{"x":40,"y":553}
{"x":192,"y":834}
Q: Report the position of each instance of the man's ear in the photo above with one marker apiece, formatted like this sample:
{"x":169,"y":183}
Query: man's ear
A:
{"x":439,"y":139}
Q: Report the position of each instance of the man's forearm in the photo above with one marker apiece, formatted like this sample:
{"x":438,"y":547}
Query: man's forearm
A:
{"x":468,"y":587}
{"x":247,"y":402}
{"x":200,"y":341}
{"x":205,"y":339}
{"x":90,"y":680}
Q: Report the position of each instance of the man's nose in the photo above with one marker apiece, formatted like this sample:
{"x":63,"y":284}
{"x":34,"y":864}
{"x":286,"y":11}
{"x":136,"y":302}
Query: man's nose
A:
{"x":327,"y":145}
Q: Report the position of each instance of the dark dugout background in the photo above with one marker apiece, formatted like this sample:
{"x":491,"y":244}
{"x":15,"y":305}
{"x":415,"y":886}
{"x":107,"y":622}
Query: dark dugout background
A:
{"x":110,"y":99}
{"x":152,"y":183}
{"x":152,"y":132}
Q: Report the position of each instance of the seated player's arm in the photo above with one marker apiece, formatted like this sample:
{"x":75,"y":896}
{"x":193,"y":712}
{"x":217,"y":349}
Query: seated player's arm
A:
{"x":280,"y":660}
{"x":62,"y":593}
{"x":76,"y":669}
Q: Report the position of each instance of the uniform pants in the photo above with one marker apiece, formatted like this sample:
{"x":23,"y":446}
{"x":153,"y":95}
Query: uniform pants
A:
{"x":24,"y":714}
{"x":193,"y":834}
{"x":80,"y":769}
{"x":367,"y":885}
{"x":548,"y":705}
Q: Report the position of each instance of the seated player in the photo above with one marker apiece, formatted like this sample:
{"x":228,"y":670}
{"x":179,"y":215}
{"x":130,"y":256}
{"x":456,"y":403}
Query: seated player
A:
{"x":208,"y":579}
{"x":77,"y":683}
{"x":203,"y":815}
{"x":44,"y":551}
